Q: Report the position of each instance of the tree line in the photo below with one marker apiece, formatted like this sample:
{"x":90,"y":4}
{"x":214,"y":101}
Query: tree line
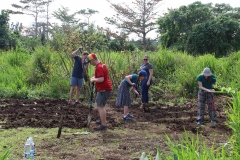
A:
{"x":197,"y":28}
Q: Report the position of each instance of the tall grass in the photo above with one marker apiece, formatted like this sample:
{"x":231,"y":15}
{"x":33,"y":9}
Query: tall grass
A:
{"x":233,"y":113}
{"x":5,"y":154}
{"x":46,"y":73}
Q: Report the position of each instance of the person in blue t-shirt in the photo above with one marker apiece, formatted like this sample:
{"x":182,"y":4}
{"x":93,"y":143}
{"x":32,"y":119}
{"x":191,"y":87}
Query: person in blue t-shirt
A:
{"x":205,"y":95}
{"x":80,"y":66}
{"x":123,"y":96}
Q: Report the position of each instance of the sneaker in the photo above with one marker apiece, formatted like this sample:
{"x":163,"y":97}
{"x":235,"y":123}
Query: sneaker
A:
{"x":77,"y":102}
{"x":199,"y":122}
{"x":127,"y":118}
{"x":130,"y":116}
{"x":98,"y":122}
{"x":100,"y":128}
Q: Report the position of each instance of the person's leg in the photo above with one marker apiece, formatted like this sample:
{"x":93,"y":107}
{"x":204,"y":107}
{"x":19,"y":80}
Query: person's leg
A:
{"x":73,"y":83}
{"x":144,"y":91}
{"x":103,"y":115}
{"x":78,"y":93}
{"x":79,"y":85}
{"x":146,"y":96}
{"x":71,"y":93}
{"x":101,"y":101}
{"x":201,"y":106}
{"x":125,"y":110}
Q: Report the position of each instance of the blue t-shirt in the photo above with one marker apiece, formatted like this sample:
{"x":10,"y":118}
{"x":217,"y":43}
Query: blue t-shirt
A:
{"x":77,"y":71}
{"x":205,"y":83}
{"x":133,"y":80}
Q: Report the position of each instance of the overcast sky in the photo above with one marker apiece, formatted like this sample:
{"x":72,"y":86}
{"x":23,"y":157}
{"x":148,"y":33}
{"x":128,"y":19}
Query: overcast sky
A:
{"x":103,"y":7}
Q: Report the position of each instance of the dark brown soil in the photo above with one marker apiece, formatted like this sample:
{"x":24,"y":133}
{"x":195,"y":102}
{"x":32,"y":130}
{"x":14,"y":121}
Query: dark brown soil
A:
{"x":175,"y":119}
{"x":46,"y":113}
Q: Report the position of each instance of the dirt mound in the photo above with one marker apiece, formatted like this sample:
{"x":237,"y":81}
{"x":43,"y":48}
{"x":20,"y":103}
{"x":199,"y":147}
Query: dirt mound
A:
{"x":46,"y":113}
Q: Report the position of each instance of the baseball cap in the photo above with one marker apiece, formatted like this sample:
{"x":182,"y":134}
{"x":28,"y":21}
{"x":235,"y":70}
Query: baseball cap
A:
{"x":91,"y":57}
{"x":143,"y":73}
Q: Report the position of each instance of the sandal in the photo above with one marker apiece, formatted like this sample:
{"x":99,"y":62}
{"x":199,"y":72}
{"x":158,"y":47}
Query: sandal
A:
{"x":69,"y":102}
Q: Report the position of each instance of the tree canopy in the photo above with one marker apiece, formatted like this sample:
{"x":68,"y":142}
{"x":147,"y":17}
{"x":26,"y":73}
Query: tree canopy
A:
{"x":136,"y":18}
{"x":201,"y":28}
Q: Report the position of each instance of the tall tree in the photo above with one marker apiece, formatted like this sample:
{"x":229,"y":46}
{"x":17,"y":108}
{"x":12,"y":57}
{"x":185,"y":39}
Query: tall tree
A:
{"x":4,"y":32}
{"x":68,"y":20}
{"x":47,"y":17}
{"x":33,"y":8}
{"x":87,"y":13}
{"x":138,"y":18}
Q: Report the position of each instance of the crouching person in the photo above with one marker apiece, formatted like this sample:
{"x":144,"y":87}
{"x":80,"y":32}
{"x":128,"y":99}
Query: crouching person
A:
{"x":123,"y":95}
{"x":205,"y":95}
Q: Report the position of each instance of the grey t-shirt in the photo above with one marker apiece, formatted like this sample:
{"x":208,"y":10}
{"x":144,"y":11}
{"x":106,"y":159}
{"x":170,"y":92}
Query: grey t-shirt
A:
{"x":146,"y":67}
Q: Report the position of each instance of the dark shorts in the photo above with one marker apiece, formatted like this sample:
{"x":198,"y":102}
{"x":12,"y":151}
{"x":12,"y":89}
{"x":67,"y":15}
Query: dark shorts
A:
{"x":76,"y":81}
{"x":102,"y":98}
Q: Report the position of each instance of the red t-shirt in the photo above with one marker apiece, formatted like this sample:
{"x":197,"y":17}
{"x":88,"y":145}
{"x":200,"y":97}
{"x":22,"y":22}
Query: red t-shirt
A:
{"x":102,"y":71}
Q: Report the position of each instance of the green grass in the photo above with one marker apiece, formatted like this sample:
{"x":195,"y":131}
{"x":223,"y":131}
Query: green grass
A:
{"x":46,"y":73}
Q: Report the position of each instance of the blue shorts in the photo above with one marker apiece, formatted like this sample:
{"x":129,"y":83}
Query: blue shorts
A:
{"x":76,"y":81}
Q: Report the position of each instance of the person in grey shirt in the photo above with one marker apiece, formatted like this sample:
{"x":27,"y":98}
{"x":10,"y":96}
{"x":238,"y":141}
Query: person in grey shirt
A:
{"x":145,"y":84}
{"x":79,"y":68}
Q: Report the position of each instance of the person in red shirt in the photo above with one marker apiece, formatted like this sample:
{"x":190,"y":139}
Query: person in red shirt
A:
{"x":103,"y":88}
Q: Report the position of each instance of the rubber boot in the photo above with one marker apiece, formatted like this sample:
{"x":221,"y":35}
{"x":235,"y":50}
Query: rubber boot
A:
{"x":146,"y":107}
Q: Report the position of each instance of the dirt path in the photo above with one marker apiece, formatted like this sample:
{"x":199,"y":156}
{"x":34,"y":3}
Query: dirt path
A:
{"x":123,"y":139}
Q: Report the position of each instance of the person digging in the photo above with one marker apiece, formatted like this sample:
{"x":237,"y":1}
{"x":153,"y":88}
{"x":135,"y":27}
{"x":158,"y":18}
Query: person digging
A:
{"x":123,"y":95}
{"x":103,"y":88}
{"x":76,"y":80}
{"x":205,"y":95}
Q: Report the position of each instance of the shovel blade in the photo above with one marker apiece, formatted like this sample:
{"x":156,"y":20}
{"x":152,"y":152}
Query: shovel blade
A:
{"x":89,"y":119}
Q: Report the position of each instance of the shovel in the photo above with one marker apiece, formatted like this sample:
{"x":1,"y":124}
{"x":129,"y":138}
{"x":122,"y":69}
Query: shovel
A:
{"x":91,"y":106}
{"x":213,"y":109}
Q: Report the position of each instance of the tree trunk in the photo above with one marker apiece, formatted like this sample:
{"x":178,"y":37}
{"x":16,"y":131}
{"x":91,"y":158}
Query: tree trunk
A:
{"x":144,"y":42}
{"x":47,"y":20}
{"x":144,"y":27}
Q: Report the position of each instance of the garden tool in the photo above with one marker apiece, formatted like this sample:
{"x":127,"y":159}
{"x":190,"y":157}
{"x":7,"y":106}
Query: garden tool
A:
{"x":213,"y":109}
{"x":61,"y":122}
{"x":90,"y":106}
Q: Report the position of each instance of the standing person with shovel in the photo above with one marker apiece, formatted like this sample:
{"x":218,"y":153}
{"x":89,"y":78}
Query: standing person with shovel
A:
{"x":78,"y":71}
{"x":103,"y":88}
{"x":205,"y":94}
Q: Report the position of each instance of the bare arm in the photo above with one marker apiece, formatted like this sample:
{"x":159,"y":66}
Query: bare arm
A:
{"x":135,"y":91}
{"x":98,"y":80}
{"x":128,"y":79}
{"x":203,"y":88}
{"x":150,"y":75}
{"x":74,"y":53}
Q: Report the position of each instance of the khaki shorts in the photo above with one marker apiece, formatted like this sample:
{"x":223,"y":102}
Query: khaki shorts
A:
{"x":102,"y":98}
